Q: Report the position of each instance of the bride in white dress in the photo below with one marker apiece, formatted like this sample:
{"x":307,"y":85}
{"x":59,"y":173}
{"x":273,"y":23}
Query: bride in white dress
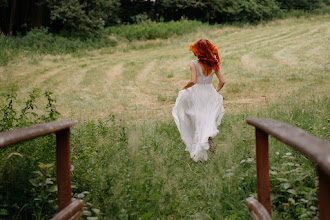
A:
{"x":199,"y":107}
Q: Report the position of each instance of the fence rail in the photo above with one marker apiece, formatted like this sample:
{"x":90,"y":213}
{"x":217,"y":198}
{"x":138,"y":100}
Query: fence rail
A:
{"x":63,"y":175}
{"x":317,"y":150}
{"x":8,"y":138}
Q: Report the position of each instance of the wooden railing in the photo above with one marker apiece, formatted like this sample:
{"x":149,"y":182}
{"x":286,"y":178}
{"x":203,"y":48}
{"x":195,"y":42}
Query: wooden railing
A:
{"x":68,"y":210}
{"x":317,"y":150}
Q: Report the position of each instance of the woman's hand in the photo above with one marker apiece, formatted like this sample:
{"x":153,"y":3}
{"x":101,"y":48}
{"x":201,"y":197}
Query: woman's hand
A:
{"x":221,"y":80}
{"x":189,"y":84}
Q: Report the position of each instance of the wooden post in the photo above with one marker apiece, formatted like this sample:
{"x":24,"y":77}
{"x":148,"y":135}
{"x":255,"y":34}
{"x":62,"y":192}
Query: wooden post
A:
{"x":263,"y":183}
{"x":324,"y":195}
{"x":63,"y":168}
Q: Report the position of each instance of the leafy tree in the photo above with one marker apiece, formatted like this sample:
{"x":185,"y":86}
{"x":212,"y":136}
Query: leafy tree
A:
{"x":176,"y":9}
{"x":86,"y":16}
{"x":137,"y":10}
{"x":301,"y":4}
{"x":83,"y":16}
{"x":219,"y":11}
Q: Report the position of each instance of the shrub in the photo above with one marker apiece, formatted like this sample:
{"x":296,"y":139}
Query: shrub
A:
{"x":152,"y":30}
{"x":301,"y":4}
{"x":28,"y":188}
{"x":12,"y":118}
{"x":27,"y":184}
{"x":42,"y":41}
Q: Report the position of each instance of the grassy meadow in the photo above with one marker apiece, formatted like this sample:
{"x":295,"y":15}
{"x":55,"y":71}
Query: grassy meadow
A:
{"x":129,"y":161}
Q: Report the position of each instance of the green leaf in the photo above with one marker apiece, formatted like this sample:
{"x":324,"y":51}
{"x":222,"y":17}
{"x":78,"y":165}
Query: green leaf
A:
{"x":304,"y":200}
{"x":87,"y":213}
{"x":53,"y":188}
{"x":33,"y":182}
{"x":313,"y":208}
{"x":146,"y":215}
{"x":303,"y":215}
{"x":286,"y":185}
{"x":38,"y":172}
{"x":45,"y":166}
{"x":4,"y":212}
{"x":155,"y":196}
{"x":233,"y":216}
{"x":292,"y":191}
{"x":49,"y":181}
{"x":283,"y":179}
{"x":81,"y":195}
{"x":174,"y":205}
{"x":96,"y":211}
{"x":292,"y":201}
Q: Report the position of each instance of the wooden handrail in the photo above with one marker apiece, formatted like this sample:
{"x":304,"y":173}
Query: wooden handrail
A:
{"x":315,"y":149}
{"x":63,"y":174}
{"x":8,"y":138}
{"x":72,"y":211}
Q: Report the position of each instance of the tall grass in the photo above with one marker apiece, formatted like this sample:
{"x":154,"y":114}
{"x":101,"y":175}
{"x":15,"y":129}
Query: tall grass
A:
{"x":42,"y":41}
{"x":27,"y":170}
{"x":127,"y":170}
{"x":302,"y":13}
{"x":152,"y":30}
{"x":142,"y":171}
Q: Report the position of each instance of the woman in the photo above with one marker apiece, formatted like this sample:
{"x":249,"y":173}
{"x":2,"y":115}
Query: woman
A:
{"x":198,"y":109}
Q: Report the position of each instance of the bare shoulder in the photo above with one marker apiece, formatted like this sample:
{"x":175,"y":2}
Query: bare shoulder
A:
{"x":217,"y":72}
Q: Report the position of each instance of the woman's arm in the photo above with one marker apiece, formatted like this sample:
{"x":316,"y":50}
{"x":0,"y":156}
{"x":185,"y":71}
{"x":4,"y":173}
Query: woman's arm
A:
{"x":193,"y":76}
{"x":221,"y":80}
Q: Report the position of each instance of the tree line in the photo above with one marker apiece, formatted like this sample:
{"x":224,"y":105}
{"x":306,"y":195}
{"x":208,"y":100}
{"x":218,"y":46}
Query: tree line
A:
{"x":90,"y":16}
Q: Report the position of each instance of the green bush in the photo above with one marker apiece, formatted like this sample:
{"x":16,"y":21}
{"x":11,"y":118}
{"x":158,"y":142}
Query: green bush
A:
{"x":86,"y":17}
{"x":214,"y":11}
{"x":28,"y":188}
{"x":42,"y":41}
{"x":13,"y":118}
{"x":27,"y":178}
{"x":304,"y":5}
{"x":152,"y":30}
{"x":304,"y":13}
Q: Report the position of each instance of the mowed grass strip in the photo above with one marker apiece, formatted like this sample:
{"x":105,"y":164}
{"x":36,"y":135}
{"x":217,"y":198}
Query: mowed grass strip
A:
{"x":260,"y":63}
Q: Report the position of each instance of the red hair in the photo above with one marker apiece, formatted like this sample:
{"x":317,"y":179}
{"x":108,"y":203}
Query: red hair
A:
{"x":207,"y":54}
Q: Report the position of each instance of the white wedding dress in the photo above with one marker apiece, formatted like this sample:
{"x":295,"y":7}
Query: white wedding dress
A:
{"x":197,"y":113}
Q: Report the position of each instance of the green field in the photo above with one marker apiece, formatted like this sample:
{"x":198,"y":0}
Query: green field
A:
{"x":126,"y":149}
{"x":140,"y":80}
